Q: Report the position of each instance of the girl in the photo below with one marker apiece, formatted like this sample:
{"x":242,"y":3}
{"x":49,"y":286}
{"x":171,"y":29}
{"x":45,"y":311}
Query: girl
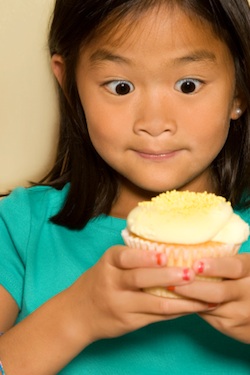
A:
{"x":154,"y":96}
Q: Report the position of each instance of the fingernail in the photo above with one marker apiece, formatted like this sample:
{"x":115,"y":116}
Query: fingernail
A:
{"x":160,"y":259}
{"x":201,"y":267}
{"x":171,"y":288}
{"x":186,"y":274}
{"x":212,"y":305}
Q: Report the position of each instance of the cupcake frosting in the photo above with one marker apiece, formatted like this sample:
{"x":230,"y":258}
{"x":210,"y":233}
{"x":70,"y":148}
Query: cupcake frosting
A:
{"x":187,"y":218}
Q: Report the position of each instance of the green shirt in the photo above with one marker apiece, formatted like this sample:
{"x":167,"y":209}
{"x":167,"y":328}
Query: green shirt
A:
{"x":39,"y":259}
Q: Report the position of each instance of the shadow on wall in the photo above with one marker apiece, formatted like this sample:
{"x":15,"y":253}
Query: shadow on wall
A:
{"x":28,"y":105}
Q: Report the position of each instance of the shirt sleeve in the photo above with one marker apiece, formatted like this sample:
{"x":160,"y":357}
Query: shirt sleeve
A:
{"x":14,"y":237}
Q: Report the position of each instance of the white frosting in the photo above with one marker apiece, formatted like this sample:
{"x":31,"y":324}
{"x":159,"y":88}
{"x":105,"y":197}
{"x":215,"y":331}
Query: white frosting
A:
{"x":176,"y":217}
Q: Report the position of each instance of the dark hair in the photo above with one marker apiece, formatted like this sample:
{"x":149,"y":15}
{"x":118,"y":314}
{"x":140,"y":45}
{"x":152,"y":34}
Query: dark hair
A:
{"x":93,"y":184}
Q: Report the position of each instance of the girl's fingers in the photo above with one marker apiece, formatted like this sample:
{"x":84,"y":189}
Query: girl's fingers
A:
{"x":210,"y":292}
{"x":219,"y":292}
{"x":164,"y":277}
{"x":234,"y":267}
{"x":147,"y":304}
{"x":124,"y":257}
{"x":234,"y":272}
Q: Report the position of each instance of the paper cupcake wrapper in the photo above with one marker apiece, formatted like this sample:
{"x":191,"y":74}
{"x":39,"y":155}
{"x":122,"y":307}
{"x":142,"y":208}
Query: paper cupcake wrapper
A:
{"x":180,"y":255}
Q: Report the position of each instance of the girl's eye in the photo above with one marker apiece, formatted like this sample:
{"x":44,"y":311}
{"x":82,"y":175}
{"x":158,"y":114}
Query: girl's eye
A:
{"x":120,"y":87}
{"x":188,"y":86}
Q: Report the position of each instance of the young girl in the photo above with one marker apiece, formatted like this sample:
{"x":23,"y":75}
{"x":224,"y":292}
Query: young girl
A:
{"x":154,"y":95}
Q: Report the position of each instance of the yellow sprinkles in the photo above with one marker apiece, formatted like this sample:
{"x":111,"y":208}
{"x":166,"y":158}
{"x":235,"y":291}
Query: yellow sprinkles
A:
{"x":184,"y":201}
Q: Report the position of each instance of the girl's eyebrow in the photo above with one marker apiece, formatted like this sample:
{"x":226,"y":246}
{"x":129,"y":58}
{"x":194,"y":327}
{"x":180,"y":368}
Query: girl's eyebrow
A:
{"x":194,"y":56}
{"x":105,"y":55}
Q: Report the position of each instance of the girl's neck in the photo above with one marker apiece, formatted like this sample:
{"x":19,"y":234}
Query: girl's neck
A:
{"x":129,"y":196}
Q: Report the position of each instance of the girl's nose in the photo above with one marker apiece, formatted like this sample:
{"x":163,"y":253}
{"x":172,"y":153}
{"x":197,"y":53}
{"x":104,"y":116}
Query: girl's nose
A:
{"x":155,"y":115}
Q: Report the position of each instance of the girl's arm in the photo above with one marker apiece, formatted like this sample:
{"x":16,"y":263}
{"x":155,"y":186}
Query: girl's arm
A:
{"x":106,"y":301}
{"x":230,"y":297}
{"x":8,"y":310}
{"x":45,"y":341}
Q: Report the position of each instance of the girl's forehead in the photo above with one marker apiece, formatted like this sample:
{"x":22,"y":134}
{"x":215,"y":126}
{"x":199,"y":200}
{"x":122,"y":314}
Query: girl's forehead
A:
{"x":119,"y":30}
{"x":165,"y":28}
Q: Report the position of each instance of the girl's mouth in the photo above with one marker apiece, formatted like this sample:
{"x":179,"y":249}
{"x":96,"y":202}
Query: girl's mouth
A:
{"x":157,"y":155}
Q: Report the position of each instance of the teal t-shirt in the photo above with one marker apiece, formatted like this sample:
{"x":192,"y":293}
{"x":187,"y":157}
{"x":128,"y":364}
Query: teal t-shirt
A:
{"x":39,"y":259}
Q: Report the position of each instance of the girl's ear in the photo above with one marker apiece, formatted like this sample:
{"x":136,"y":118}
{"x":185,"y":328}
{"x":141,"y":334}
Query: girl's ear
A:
{"x":238,"y":107}
{"x":57,"y":65}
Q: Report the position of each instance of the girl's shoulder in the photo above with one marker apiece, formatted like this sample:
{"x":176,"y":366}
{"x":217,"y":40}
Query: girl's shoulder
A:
{"x":29,"y":201}
{"x":35,"y":195}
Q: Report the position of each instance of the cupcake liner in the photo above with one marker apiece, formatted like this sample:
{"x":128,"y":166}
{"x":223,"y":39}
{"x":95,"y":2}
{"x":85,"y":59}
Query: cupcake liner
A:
{"x":180,"y":255}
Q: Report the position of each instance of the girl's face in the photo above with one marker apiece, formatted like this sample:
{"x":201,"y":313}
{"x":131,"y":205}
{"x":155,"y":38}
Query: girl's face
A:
{"x":158,"y":103}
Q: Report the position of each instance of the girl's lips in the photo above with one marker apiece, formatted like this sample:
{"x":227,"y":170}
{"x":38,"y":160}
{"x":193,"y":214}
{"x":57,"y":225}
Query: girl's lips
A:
{"x":158,"y":155}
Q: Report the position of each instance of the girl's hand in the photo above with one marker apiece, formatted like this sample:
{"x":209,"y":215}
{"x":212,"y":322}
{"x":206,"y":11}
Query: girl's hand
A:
{"x":229,"y":299}
{"x":110,"y":297}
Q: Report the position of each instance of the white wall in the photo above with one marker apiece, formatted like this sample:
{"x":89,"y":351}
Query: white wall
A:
{"x":28,"y":105}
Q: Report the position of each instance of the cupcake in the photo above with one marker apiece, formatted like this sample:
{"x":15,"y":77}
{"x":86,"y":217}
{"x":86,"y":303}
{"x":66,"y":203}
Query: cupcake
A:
{"x":186,"y":226}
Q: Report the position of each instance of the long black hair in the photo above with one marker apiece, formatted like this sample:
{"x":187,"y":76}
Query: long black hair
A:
{"x":93,"y":185}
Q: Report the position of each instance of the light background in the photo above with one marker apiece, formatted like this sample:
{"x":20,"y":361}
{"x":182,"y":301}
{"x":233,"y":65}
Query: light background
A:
{"x":28,"y":105}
